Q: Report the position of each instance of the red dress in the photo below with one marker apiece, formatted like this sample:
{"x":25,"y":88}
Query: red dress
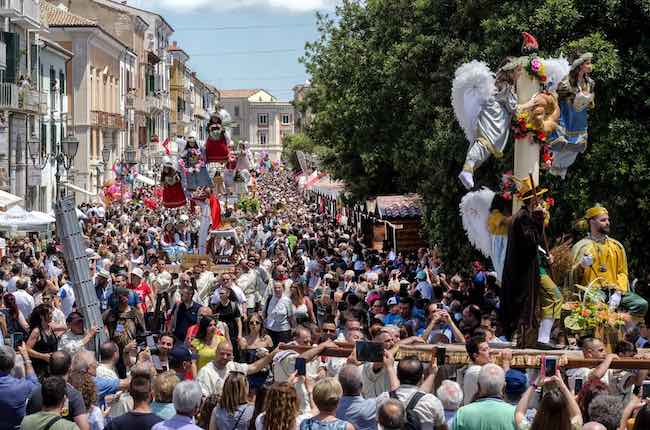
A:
{"x":173,"y":194}
{"x":216,"y":150}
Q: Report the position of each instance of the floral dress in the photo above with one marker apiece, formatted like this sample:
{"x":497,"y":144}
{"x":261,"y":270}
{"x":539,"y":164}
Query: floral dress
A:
{"x":192,"y":163}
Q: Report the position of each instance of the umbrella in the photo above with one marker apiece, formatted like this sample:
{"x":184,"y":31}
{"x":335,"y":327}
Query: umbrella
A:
{"x":79,"y":212}
{"x":18,"y":219}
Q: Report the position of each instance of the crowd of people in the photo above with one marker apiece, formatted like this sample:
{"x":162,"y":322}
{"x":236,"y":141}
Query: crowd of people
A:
{"x":196,"y":347}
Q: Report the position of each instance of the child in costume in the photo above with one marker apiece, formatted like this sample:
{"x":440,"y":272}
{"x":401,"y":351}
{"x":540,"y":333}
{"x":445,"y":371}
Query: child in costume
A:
{"x":216,"y":146}
{"x":576,"y":96}
{"x":173,"y":195}
{"x":193,"y":165}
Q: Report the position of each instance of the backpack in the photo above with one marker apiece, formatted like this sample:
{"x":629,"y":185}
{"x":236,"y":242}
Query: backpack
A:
{"x":412,"y":419}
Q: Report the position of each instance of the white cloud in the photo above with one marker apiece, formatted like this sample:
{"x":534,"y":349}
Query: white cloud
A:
{"x":186,"y":6}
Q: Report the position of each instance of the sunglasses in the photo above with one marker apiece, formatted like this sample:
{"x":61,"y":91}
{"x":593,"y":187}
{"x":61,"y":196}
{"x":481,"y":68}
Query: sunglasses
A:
{"x":254,"y":323}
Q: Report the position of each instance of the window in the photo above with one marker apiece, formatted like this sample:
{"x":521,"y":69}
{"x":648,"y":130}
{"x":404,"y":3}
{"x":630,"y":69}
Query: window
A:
{"x":236,"y":130}
{"x":286,"y":118}
{"x":263,"y":119}
{"x":262,"y":138}
{"x":61,"y":82}
{"x":236,"y":110}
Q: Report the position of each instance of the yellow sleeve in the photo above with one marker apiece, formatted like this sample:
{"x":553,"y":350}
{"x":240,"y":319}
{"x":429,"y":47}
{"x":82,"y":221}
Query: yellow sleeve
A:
{"x":496,"y":224}
{"x":621,"y":270}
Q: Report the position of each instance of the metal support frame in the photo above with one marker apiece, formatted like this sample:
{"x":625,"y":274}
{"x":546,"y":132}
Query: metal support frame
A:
{"x":76,"y":259}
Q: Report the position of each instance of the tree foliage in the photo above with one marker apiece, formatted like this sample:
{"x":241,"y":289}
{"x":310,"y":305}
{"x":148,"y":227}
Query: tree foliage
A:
{"x":380,"y":95}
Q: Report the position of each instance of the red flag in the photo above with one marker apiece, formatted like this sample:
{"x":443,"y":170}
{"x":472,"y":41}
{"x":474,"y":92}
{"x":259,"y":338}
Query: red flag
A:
{"x":215,"y":212}
{"x":165,"y":145}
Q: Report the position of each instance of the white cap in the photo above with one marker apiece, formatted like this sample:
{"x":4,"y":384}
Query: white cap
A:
{"x":392,"y":301}
{"x":138,"y":272}
{"x":192,"y":135}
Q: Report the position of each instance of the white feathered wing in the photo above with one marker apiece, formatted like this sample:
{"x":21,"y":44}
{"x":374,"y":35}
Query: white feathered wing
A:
{"x":556,"y":70}
{"x":475,"y":210}
{"x":472,"y":87}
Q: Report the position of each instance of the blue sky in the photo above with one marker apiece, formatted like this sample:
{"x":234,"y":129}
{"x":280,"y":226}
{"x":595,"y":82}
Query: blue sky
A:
{"x":239,"y":57}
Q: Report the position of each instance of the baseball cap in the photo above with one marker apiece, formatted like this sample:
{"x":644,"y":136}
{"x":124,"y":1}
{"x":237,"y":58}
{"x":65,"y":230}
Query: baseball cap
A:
{"x":421,"y":276}
{"x":138,"y":272}
{"x":392,"y":301}
{"x":104,"y":274}
{"x":181,"y":353}
{"x":516,"y":382}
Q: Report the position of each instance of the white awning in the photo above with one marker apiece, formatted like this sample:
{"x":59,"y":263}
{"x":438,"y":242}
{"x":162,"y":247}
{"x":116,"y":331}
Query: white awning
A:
{"x":78,"y":189}
{"x":8,"y":200}
{"x":145,"y":180}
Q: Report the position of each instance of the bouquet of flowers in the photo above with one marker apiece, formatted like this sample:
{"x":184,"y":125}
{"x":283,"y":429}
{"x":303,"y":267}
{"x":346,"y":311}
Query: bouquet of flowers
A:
{"x":523,"y":126}
{"x":249,"y":204}
{"x":591,"y":311}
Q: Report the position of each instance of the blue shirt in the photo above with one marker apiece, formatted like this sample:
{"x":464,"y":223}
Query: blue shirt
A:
{"x":360,"y":412}
{"x":394,"y":319}
{"x":13,"y":399}
{"x":425,"y":289}
{"x":177,"y":422}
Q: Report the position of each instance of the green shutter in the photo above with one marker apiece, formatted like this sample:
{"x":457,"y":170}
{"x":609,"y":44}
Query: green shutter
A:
{"x":13,"y":51}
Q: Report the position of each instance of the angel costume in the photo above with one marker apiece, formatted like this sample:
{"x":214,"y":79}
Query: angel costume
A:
{"x":570,"y":137}
{"x":484,"y":112}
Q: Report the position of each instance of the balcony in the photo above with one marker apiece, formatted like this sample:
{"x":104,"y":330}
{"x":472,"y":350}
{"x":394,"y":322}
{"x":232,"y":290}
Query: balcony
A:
{"x":3,"y":55}
{"x":34,"y":101}
{"x":140,"y":104}
{"x":184,"y":117}
{"x":166,"y":102}
{"x":153,"y":104}
{"x":107,"y":120}
{"x":201,"y":113}
{"x":21,"y":10}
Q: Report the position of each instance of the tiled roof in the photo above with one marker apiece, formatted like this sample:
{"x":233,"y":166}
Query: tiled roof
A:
{"x":59,"y":17}
{"x":238,"y":93}
{"x":403,"y":206}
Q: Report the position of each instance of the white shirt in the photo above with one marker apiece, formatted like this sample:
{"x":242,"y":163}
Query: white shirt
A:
{"x":583,"y":372}
{"x":25,"y":302}
{"x":374,"y":383}
{"x":429,"y":409}
{"x":470,"y":383}
{"x":11,"y":285}
{"x":211,"y":379}
{"x":66,"y":293}
{"x":71,"y":343}
{"x":278,"y":314}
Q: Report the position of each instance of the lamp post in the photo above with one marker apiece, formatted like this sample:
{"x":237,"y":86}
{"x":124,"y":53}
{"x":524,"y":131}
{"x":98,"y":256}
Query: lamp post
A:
{"x":63,"y":155}
{"x":130,"y":159}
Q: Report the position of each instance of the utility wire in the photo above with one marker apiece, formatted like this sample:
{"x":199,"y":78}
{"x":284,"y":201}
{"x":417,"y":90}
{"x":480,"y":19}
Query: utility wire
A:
{"x":244,"y":27}
{"x":219,"y":54}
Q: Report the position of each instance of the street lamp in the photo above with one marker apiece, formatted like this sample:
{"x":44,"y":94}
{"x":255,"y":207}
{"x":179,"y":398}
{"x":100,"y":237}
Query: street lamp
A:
{"x":106,"y":154}
{"x":130,"y":156}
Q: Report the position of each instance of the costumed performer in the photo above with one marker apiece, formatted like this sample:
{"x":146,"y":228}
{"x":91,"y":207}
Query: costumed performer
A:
{"x":602,"y":260}
{"x":192,"y":164}
{"x":173,"y":195}
{"x":210,"y":219}
{"x":528,"y":293}
{"x":484,"y":107}
{"x":576,"y":96}
{"x":216,"y":146}
{"x":171,"y":243}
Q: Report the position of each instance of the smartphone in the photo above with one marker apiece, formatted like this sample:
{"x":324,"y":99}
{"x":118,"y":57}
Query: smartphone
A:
{"x":646,"y":389}
{"x":150,"y":342}
{"x":301,"y":366}
{"x":441,"y":354}
{"x":550,"y":366}
{"x":578,"y":385}
{"x":16,"y":340}
{"x":156,"y":363}
{"x":370,"y":351}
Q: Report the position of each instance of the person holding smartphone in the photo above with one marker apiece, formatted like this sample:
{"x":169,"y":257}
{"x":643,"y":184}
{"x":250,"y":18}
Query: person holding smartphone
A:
{"x":14,"y":392}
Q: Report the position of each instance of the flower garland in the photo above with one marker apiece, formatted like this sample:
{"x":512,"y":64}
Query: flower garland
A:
{"x":536,"y":68}
{"x":523,"y":127}
{"x":590,"y":311}
{"x":193,"y":156}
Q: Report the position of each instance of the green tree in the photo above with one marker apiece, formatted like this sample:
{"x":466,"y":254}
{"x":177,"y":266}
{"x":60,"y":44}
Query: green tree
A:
{"x":380,"y":96}
{"x":293,"y":143}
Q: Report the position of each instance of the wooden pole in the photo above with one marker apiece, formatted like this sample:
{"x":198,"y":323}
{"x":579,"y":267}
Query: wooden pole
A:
{"x":526,"y":152}
{"x":522,"y":358}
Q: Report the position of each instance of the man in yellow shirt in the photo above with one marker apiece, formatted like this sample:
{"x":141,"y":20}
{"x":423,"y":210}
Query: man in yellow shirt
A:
{"x":600,"y":259}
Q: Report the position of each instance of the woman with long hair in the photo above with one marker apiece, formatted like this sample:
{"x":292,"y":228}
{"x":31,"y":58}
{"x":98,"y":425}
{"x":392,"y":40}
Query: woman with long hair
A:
{"x":260,"y":404}
{"x":302,"y":305}
{"x":42,"y":341}
{"x":208,"y":405}
{"x":14,"y":319}
{"x":85,"y":384}
{"x":282,"y":409}
{"x":206,"y":341}
{"x":233,"y":412}
{"x":557,"y":408}
{"x":253,"y":346}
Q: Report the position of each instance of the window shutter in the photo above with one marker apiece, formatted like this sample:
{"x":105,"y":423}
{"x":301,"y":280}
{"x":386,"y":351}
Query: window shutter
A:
{"x":12,"y":40}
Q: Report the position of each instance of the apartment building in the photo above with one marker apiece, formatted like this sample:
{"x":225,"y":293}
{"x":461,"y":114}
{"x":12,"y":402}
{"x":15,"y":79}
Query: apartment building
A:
{"x":181,"y":90}
{"x":21,"y":99}
{"x":203,"y":104}
{"x":96,"y":76}
{"x":259,"y":118}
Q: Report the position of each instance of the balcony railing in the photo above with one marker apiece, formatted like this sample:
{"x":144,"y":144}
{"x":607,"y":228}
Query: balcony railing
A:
{"x":140,"y":104}
{"x":8,"y":96}
{"x":166,"y":102}
{"x":201,"y":113}
{"x":18,"y":9}
{"x":34,"y":101}
{"x":107,"y":120}
{"x":153,"y":103}
{"x":3,"y":55}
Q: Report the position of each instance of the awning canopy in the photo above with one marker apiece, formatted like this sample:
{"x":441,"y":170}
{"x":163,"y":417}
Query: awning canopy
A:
{"x":18,"y":219}
{"x":8,"y":200}
{"x":78,"y":189}
{"x":145,"y":180}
